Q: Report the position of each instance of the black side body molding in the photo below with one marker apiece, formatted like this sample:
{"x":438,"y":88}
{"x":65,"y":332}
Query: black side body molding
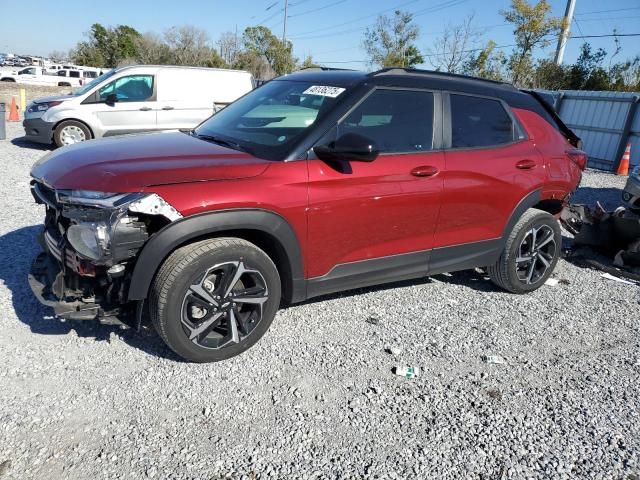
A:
{"x":201,"y":225}
{"x":364,"y":273}
{"x":406,"y":266}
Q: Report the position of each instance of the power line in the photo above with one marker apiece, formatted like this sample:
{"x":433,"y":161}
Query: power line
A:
{"x":434,"y":8}
{"x":608,"y":11}
{"x":318,"y":9}
{"x":610,"y":35}
{"x":355,"y":20}
{"x":608,"y":18}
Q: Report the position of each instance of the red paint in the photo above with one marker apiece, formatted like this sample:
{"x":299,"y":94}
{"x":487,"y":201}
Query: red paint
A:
{"x":396,"y":204}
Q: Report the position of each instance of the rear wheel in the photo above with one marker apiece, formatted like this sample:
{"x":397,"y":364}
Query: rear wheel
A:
{"x":70,"y":132}
{"x":530,"y":254}
{"x":212,"y":300}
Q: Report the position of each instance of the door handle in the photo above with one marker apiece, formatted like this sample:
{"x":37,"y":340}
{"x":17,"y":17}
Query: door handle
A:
{"x":167,"y":108}
{"x":145,"y":109}
{"x":525,"y":164}
{"x":424,"y":171}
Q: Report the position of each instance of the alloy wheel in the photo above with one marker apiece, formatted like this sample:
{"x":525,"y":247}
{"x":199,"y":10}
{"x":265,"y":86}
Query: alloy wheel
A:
{"x":535,"y":254}
{"x":224,"y":306}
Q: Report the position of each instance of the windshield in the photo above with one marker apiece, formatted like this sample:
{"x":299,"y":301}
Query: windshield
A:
{"x":81,"y":91}
{"x":270,"y":120}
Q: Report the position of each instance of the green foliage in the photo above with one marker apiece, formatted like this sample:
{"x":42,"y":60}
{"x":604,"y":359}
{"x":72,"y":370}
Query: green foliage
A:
{"x":489,"y":63}
{"x":106,"y":46}
{"x":533,"y":28}
{"x":263,"y":49}
{"x":390,"y":42}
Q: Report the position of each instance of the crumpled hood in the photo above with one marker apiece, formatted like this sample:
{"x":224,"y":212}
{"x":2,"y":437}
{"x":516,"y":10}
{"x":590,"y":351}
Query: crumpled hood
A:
{"x":131,"y":163}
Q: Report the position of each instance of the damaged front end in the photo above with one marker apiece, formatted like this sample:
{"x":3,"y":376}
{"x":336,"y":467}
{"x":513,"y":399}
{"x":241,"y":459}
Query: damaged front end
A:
{"x":91,"y":241}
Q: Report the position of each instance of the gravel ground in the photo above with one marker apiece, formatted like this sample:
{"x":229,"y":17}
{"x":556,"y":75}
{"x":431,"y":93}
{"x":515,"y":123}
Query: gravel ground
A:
{"x":316,"y":398}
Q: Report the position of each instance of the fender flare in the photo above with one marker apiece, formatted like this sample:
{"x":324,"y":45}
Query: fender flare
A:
{"x":527,"y":202}
{"x":182,"y":231}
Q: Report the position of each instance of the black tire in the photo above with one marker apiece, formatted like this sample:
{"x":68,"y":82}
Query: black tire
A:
{"x":57,"y":133}
{"x":172,"y":292}
{"x":512,"y":266}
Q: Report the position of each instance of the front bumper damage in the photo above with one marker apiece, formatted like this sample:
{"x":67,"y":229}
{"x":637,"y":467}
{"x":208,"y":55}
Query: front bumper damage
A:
{"x":47,"y":281}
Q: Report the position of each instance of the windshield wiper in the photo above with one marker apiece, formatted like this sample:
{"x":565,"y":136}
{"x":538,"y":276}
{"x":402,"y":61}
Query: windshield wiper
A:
{"x":220,"y":141}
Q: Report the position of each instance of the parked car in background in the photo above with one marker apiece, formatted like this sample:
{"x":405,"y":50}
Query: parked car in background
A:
{"x":38,"y":76}
{"x":314,"y":183}
{"x":134,"y":99}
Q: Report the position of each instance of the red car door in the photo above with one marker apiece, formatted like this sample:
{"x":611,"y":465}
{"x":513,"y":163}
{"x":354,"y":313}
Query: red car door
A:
{"x":360,"y":211}
{"x":490,"y":167}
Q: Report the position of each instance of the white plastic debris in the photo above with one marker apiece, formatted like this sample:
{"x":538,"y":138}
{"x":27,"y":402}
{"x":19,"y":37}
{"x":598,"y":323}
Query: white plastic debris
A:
{"x":406,"y":372}
{"x":393,"y":350}
{"x":552,"y":282}
{"x":495,"y":359}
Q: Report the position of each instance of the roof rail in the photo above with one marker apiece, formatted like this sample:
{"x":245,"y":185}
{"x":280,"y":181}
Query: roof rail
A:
{"x":416,"y":71}
{"x":323,"y":69}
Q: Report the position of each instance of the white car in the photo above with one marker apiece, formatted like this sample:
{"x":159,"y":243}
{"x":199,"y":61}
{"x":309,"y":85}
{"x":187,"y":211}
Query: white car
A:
{"x":135,"y":99}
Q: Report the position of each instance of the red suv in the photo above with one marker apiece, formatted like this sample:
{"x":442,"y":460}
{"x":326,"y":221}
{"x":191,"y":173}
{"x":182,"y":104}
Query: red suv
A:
{"x":315,"y":182}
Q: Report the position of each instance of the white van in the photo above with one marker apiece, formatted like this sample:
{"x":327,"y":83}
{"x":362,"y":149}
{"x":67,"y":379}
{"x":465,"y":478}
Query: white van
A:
{"x":134,"y":99}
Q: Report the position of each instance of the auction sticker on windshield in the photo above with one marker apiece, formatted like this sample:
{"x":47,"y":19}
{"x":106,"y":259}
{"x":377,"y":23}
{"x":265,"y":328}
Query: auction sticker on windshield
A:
{"x":324,"y":91}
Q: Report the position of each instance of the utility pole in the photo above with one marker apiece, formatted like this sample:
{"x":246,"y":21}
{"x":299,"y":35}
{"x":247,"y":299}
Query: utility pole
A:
{"x":284,"y":28}
{"x":564,"y":33}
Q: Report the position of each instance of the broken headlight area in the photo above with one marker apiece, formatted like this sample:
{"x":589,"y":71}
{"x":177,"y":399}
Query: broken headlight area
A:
{"x":91,"y":240}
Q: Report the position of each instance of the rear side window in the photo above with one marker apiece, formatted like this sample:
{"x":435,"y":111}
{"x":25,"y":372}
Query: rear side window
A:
{"x":397,"y":121}
{"x":479,"y":122}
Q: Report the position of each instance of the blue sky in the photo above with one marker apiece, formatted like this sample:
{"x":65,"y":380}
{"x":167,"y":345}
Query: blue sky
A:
{"x":330,"y":30}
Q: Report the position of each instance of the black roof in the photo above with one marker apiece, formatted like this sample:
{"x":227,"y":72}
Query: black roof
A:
{"x":414,"y":78}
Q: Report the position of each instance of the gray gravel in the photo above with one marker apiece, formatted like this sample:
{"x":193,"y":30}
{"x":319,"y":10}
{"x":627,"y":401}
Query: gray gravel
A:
{"x":316,"y":398}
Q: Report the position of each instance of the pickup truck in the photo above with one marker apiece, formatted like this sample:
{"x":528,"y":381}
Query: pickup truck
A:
{"x":38,"y":76}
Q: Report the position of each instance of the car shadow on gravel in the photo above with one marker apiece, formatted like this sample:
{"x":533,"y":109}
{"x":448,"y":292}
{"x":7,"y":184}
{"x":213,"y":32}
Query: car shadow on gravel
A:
{"x":22,"y":142}
{"x":18,"y":249}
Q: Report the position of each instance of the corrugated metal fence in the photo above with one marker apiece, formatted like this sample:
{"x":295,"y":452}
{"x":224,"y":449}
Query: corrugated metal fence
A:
{"x":606,"y":122}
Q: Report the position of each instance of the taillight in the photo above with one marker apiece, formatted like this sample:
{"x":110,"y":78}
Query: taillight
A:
{"x":578,"y":157}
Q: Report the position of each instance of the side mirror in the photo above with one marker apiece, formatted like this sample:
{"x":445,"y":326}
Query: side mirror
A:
{"x":349,"y":147}
{"x":111,"y":99}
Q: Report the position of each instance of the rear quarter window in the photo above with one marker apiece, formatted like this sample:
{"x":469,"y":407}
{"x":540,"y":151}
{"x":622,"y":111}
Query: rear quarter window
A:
{"x":479,"y":122}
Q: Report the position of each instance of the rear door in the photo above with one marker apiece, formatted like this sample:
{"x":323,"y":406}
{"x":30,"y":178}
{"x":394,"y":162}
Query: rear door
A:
{"x":490,"y":167}
{"x":135,"y":110}
{"x":362,"y":211}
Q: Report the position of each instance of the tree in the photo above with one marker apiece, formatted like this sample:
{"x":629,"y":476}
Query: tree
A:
{"x":106,"y":46}
{"x":488,"y":63}
{"x":549,"y":75}
{"x":151,"y":50}
{"x":189,"y":46}
{"x":390,"y":42}
{"x":260,"y":43}
{"x":454,"y":49}
{"x":229,"y":47}
{"x":532,"y":28}
{"x":58,"y":57}
{"x":587,"y":73}
{"x":309,"y":63}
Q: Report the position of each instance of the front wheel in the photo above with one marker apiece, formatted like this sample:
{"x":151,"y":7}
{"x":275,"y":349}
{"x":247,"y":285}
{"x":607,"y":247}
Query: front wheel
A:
{"x":70,"y":132}
{"x":530,"y":253}
{"x":213,"y":299}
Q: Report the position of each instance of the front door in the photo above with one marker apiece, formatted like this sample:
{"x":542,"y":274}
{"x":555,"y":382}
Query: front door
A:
{"x":380,"y":210}
{"x":135,"y":108}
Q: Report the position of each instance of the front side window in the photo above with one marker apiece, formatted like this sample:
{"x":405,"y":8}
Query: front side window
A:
{"x":134,"y":88}
{"x":397,"y":121}
{"x":269,"y":121}
{"x":28,"y":71}
{"x":479,"y":122}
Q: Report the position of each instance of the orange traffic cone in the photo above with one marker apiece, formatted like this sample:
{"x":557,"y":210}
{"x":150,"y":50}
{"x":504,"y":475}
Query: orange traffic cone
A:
{"x":623,"y":167}
{"x":13,"y":112}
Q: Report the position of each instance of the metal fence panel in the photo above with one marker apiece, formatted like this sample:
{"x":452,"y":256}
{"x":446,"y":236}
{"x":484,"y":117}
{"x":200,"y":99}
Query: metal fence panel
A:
{"x":602,"y":120}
